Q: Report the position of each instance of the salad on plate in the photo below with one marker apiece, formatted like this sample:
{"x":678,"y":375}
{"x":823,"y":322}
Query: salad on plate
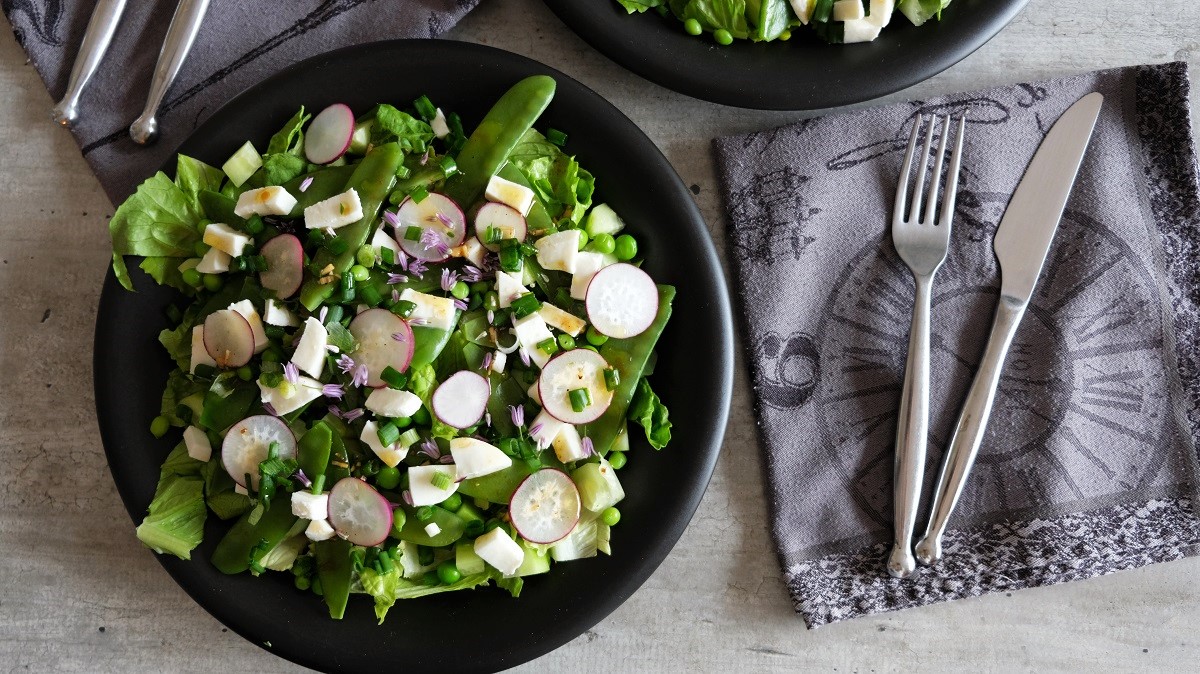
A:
{"x":407,"y":359}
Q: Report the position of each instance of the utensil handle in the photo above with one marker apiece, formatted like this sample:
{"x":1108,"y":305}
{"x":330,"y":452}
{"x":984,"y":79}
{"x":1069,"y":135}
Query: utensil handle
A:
{"x":185,"y":24}
{"x":912,"y":431}
{"x":968,"y":433}
{"x":96,"y":38}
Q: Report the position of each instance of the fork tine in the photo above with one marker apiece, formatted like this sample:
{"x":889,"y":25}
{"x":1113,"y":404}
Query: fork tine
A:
{"x":951,"y":193}
{"x":922,"y":167}
{"x":935,"y":181}
{"x":902,"y":183}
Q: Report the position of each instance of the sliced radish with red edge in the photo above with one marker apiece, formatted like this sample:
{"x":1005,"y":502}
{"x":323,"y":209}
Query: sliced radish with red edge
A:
{"x":358,"y":513}
{"x":285,"y":265}
{"x":248,"y":442}
{"x":545,"y":507}
{"x":436,"y":213}
{"x":329,"y":135}
{"x":622,"y":301}
{"x":505,"y":219}
{"x":568,"y":371}
{"x":461,"y":400}
{"x":228,"y":338}
{"x":384,"y":339}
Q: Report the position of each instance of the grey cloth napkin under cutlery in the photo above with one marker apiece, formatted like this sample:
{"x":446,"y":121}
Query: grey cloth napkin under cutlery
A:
{"x":1089,"y":462}
{"x":240,"y":43}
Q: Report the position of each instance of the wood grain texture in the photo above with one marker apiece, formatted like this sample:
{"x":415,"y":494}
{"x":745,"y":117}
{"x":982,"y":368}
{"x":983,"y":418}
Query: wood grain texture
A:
{"x":79,"y":593}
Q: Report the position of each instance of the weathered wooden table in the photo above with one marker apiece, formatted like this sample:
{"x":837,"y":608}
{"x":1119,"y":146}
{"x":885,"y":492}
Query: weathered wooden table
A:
{"x":79,"y":593}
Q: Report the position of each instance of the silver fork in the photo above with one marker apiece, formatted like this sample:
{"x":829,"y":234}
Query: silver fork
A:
{"x":921,"y":242}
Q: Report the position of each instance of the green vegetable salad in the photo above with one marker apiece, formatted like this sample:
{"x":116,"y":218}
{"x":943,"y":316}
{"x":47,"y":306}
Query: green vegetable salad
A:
{"x":407,"y":358}
{"x":834,"y":21}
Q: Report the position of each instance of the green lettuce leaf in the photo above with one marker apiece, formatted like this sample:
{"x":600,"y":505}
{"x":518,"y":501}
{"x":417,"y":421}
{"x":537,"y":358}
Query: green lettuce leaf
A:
{"x":649,"y":411}
{"x":159,"y":220}
{"x":715,"y":14}
{"x":174,"y":523}
{"x":179,"y":386}
{"x":290,"y":139}
{"x":193,"y":175}
{"x":422,"y":381}
{"x":920,"y":11}
{"x":165,"y":272}
{"x":389,"y":586}
{"x":410,"y":133}
{"x":219,"y":491}
{"x":563,"y":187}
{"x":280,"y":168}
{"x":633,"y":6}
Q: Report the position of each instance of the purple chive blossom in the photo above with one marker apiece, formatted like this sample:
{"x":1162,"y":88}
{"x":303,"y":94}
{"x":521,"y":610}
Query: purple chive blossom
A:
{"x":391,"y":218}
{"x":446,"y":459}
{"x":270,"y":409}
{"x":393,"y":279}
{"x":334,"y":391}
{"x":303,"y":478}
{"x":399,"y":336}
{"x":332,"y":348}
{"x":445,"y":220}
{"x":395,"y":295}
{"x":304,"y":185}
{"x":417,"y":322}
{"x":429,"y":448}
{"x":588,"y":448}
{"x":461,"y":305}
{"x":431,"y":239}
{"x":537,"y":428}
{"x":345,"y":363}
{"x":417,"y":267}
{"x":524,"y":356}
{"x":291,"y":373}
{"x":352,"y":414}
{"x":424,"y":158}
{"x":407,"y":496}
{"x":491,"y":263}
{"x":322,"y":314}
{"x":517,"y":413}
{"x":359,"y":378}
{"x":449,"y":278}
{"x":472,"y":274}
{"x":487,"y":419}
{"x":487,"y":360}
{"x":491,"y":315}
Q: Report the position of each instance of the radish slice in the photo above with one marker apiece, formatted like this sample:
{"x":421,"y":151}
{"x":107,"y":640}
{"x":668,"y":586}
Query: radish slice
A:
{"x":622,"y":301}
{"x":247,"y":443}
{"x":358,"y":513}
{"x":441,"y":223}
{"x":461,"y":400}
{"x":569,"y":371}
{"x":505,"y":219}
{"x":384,"y":339}
{"x":545,"y":507}
{"x":228,"y":338}
{"x":285,"y":265}
{"x":329,"y":135}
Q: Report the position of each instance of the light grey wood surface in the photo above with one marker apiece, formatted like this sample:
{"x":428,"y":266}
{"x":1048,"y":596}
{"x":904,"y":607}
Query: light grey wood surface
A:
{"x":79,"y":593}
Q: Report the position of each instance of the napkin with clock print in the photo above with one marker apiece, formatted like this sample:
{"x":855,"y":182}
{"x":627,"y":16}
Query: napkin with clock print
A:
{"x":1089,"y":464}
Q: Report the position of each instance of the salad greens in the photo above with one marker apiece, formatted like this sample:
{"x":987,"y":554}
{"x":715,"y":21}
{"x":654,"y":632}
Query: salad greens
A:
{"x":407,"y":359}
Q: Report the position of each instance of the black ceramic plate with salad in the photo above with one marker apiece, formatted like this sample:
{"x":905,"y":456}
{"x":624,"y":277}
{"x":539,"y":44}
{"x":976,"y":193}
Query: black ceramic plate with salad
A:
{"x":413,"y":372}
{"x":786,"y":54}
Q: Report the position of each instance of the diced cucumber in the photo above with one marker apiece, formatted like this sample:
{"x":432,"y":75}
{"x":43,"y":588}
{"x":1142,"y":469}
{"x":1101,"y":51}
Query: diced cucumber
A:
{"x":536,"y":561}
{"x":621,"y":444}
{"x":242,"y":164}
{"x":469,"y":513}
{"x":466,"y":560}
{"x":598,"y":485}
{"x":361,"y":137}
{"x":603,"y":220}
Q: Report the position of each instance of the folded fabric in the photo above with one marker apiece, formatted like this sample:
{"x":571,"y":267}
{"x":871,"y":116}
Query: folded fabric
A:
{"x":239,"y":44}
{"x":1089,"y":462}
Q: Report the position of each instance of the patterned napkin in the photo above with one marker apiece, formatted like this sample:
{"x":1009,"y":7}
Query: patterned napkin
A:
{"x":240,"y":44}
{"x":1089,"y":462}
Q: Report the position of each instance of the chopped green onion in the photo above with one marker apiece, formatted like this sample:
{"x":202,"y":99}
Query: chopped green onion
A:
{"x":366,"y":255}
{"x":337,"y":246}
{"x":418,"y":195}
{"x":425,"y":108}
{"x":510,"y":259}
{"x":441,"y":480}
{"x":580,"y":399}
{"x":493,"y":234}
{"x":388,"y":434}
{"x":612,"y":379}
{"x":412,"y":233}
{"x":404,"y":308}
{"x":449,"y":167}
{"x":425,"y":513}
{"x":409,"y":437}
{"x":393,"y":377}
{"x":548,"y":346}
{"x":556,"y":137}
{"x":387,"y":255}
{"x":403,"y":172}
{"x":334,"y":315}
{"x":369,"y":296}
{"x":525,"y":305}
{"x":254,"y":224}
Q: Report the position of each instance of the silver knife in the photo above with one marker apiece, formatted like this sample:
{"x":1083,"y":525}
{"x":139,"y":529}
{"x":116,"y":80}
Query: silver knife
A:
{"x":1022,"y":242}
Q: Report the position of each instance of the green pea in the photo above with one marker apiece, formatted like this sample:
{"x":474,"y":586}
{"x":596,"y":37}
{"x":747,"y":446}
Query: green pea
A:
{"x":213,"y":282}
{"x":388,"y":477}
{"x":626,"y":248}
{"x":366,"y":256}
{"x":245,"y":373}
{"x":604,"y":243}
{"x":203,"y":224}
{"x":453,"y":503}
{"x":192,"y":277}
{"x":159,"y":426}
{"x":480,"y":287}
{"x":421,"y":417}
{"x":595,"y":338}
{"x":617,"y":459}
{"x":201,"y":248}
{"x":491,"y":301}
{"x":272,"y":354}
{"x":303,"y":583}
{"x":583,"y":239}
{"x":360,"y":273}
{"x":785,"y":36}
{"x":448,"y":573}
{"x":723,"y":36}
{"x":398,"y":521}
{"x":692,"y":27}
{"x":460,"y":290}
{"x":402,"y":422}
{"x":611,"y":516}
{"x":566,"y":341}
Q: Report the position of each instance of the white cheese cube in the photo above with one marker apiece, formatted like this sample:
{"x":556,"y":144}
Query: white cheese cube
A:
{"x":502,"y":552}
{"x":440,"y":128}
{"x":508,"y":288}
{"x":558,"y":250}
{"x":517,"y":197}
{"x":199,"y":355}
{"x":848,"y":10}
{"x":532,"y":331}
{"x":422,"y":489}
{"x":226,"y":239}
{"x":215,"y":261}
{"x":476,"y":458}
{"x":436,"y":312}
{"x":392,"y":455}
{"x":198,"y":446}
{"x":471,"y":250}
{"x":273,"y":200}
{"x":310,"y":506}
{"x":389,"y":402}
{"x":278,"y":314}
{"x":432,"y":529}
{"x":568,"y":446}
{"x":859,"y":30}
{"x":310,"y":351}
{"x":547,"y":427}
{"x":248,"y":312}
{"x":319,"y":530}
{"x":499,"y":360}
{"x":803,"y":9}
{"x":586,"y":266}
{"x":303,"y":392}
{"x":336,"y":211}
{"x":534,"y":393}
{"x":561,"y":320}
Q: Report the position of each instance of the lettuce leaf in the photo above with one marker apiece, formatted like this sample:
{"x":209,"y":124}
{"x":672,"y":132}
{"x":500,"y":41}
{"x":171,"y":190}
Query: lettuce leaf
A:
{"x":920,"y":11}
{"x":389,"y":586}
{"x":193,"y":175}
{"x":422,"y":381}
{"x":290,"y":139}
{"x":165,"y":272}
{"x":410,"y":133}
{"x":633,"y":6}
{"x":174,"y":523}
{"x":160,"y":219}
{"x":563,"y":187}
{"x":714,"y":15}
{"x":280,"y":168}
{"x":649,"y":411}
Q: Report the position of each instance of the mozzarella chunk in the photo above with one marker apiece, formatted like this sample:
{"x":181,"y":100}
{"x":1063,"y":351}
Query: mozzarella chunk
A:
{"x":198,"y":446}
{"x":472,"y":250}
{"x":848,"y":10}
{"x":534,"y":393}
{"x":199,"y":354}
{"x":392,"y":455}
{"x":502,"y":552}
{"x":319,"y":530}
{"x":304,"y":391}
{"x":248,"y":312}
{"x":215,"y":261}
{"x":310,"y":506}
{"x":868,"y":28}
{"x":547,"y":428}
{"x":803,"y":9}
{"x":586,"y":266}
{"x":558,"y":250}
{"x":517,"y":197}
{"x":389,"y":402}
{"x":422,"y":489}
{"x":568,"y":446}
{"x":532,"y":331}
{"x":310,"y":351}
{"x":436,"y":312}
{"x":336,"y":211}
{"x":508,"y":288}
{"x":273,"y":200}
{"x":432,"y":529}
{"x":499,"y":360}
{"x":476,"y":458}
{"x":278,"y":314}
{"x":226,"y":239}
{"x":382,"y":240}
{"x":561,"y":320}
{"x":440,"y":128}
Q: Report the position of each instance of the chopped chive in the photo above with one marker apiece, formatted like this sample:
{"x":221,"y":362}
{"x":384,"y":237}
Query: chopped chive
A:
{"x":409,"y":438}
{"x":580,"y":399}
{"x":385,"y":561}
{"x":612,"y":379}
{"x":393,"y":377}
{"x":449,"y":166}
{"x":254,"y":224}
{"x":404,"y":308}
{"x":493,"y":234}
{"x":403,"y":172}
{"x":387,"y":255}
{"x":342,"y":208}
{"x":425,"y":513}
{"x":412,"y":233}
{"x":442,"y":480}
{"x":425,"y":108}
{"x":337,"y":246}
{"x":525,"y":305}
{"x":548,"y":346}
{"x":315,"y":237}
{"x":510,"y":259}
{"x":556,"y":137}
{"x":418,"y":195}
{"x":273,"y":450}
{"x":318,"y":484}
{"x":369,"y":296}
{"x":388,"y":434}
{"x":335,"y":315}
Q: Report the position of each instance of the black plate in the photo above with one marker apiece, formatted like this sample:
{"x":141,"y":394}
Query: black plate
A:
{"x":800,"y":74}
{"x":484,"y":629}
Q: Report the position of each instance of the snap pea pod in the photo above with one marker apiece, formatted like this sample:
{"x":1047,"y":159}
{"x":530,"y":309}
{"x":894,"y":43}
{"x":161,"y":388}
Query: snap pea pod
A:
{"x":314,"y":449}
{"x":219,"y":207}
{"x":490,"y":143}
{"x":451,"y":527}
{"x":232,"y":554}
{"x":334,"y":569}
{"x":538,"y":219}
{"x":498,"y":487}
{"x":427,"y":176}
{"x":428,"y":344}
{"x":339,"y":461}
{"x":221,"y":412}
{"x":326,"y":182}
{"x":629,"y":357}
{"x":372,"y":179}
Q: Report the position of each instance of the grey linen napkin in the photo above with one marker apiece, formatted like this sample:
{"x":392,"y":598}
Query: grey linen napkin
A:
{"x":240,"y":43}
{"x":1089,"y":462}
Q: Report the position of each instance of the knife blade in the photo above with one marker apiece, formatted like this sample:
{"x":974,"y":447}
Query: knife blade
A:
{"x":1022,"y":241}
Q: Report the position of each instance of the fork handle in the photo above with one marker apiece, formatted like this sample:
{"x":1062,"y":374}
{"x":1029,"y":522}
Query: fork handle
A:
{"x":912,"y":429}
{"x":185,"y":24}
{"x":968,"y":432}
{"x":96,"y":38}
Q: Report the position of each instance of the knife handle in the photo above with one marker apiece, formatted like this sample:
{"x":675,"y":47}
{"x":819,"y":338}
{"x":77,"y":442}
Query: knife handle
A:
{"x":968,"y":433}
{"x":185,"y":24}
{"x":96,"y":38}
